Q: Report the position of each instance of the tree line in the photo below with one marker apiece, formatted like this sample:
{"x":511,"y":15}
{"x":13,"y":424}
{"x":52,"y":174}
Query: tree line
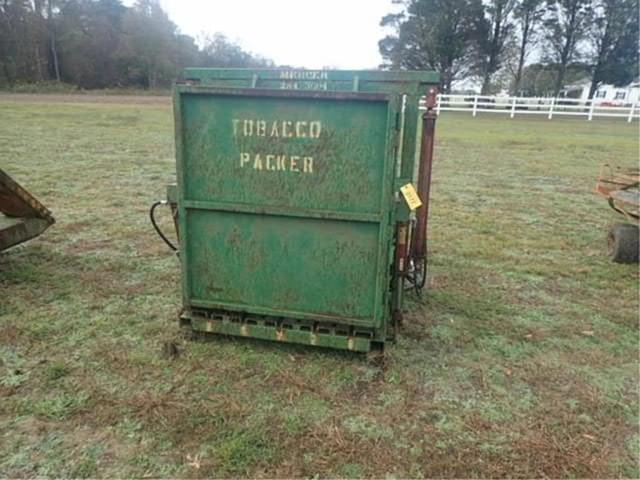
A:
{"x":491,"y":41}
{"x":102,"y":43}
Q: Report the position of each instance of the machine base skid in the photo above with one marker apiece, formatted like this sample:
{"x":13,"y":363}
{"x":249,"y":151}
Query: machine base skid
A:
{"x":284,"y":331}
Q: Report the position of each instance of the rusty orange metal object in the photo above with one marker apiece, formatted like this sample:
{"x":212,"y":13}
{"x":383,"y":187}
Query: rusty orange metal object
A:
{"x":418,"y":251}
{"x":621,"y":188}
{"x":22,"y":216}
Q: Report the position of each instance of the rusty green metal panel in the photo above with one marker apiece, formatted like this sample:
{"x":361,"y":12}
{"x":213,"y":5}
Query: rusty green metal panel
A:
{"x":410,"y":84}
{"x":287,"y":207}
{"x":402,"y":82}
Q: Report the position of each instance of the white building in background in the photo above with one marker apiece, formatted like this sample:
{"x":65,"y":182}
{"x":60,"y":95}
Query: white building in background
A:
{"x":605,"y":94}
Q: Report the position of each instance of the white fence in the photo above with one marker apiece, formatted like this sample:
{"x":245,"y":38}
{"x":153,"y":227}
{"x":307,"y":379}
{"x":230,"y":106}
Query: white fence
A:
{"x":550,"y":107}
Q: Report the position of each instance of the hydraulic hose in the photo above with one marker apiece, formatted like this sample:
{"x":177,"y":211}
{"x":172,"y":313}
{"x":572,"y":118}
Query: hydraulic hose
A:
{"x":155,"y":225}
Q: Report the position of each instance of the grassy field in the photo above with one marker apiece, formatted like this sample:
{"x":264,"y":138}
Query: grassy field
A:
{"x":521,"y":360}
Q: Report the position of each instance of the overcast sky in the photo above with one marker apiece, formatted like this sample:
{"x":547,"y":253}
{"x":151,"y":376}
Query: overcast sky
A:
{"x":300,"y":33}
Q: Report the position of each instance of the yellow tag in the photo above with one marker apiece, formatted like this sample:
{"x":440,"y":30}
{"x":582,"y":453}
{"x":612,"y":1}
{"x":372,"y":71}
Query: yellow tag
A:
{"x":411,"y":196}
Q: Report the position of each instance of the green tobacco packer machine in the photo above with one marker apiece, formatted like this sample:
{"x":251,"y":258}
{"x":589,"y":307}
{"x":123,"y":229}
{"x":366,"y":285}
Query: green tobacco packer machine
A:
{"x":301,"y":202}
